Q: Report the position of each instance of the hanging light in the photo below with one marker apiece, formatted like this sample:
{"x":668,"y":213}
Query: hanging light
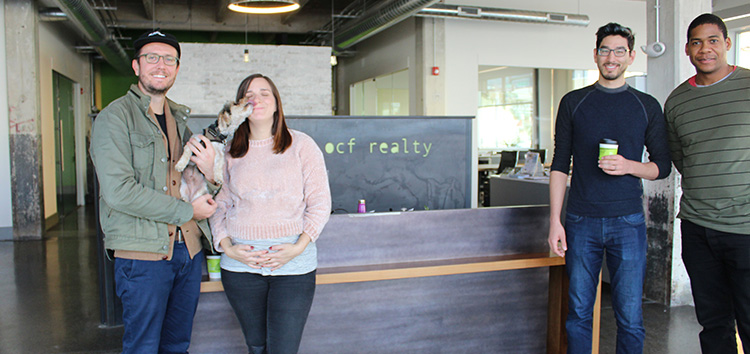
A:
{"x":263,"y":6}
{"x":247,"y":55}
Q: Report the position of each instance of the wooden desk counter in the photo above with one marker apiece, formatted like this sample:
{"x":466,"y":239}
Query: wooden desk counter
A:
{"x":465,"y":280}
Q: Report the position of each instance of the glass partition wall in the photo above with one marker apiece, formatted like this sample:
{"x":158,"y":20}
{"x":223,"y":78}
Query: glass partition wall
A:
{"x":385,"y":95}
{"x":516,"y":107}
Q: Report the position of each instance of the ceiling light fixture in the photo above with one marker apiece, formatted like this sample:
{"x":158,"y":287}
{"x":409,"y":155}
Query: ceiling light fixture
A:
{"x":264,"y":6}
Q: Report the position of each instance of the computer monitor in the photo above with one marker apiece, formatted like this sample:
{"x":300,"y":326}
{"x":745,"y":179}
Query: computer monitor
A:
{"x":507,"y":159}
{"x":542,"y":154}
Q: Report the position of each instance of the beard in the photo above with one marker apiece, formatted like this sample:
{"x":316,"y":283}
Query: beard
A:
{"x":613,"y":75}
{"x":151,"y":89}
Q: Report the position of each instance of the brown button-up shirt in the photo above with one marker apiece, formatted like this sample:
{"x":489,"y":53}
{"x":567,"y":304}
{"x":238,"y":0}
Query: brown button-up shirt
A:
{"x":190,"y":231}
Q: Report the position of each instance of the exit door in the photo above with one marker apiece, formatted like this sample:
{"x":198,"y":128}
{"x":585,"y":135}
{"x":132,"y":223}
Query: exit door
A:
{"x":65,"y":158}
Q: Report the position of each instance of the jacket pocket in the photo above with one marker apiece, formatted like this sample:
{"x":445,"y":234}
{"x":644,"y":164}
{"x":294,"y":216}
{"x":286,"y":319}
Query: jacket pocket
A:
{"x":143,"y":150}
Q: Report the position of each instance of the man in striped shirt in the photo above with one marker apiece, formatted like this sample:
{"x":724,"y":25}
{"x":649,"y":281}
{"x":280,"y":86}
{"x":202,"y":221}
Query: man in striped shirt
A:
{"x":708,"y":121}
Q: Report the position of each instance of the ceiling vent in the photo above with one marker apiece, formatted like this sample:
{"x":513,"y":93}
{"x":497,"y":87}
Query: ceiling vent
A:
{"x":496,"y":14}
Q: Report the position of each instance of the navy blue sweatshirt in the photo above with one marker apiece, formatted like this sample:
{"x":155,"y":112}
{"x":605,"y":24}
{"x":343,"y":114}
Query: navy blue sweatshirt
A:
{"x":587,"y":115}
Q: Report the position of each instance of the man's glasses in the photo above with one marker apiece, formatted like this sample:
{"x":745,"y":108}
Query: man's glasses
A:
{"x":153,"y":58}
{"x":619,"y":52}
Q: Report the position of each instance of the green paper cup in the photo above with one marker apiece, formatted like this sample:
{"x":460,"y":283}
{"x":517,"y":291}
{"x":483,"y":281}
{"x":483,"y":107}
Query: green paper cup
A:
{"x":607,"y":147}
{"x":213,"y":263}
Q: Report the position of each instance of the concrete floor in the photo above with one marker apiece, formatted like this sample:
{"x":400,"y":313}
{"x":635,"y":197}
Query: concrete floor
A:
{"x":49,"y":300}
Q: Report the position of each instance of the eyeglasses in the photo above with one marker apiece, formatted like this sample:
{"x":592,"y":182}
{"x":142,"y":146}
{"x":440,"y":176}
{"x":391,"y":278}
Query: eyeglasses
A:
{"x":153,"y":58}
{"x":619,"y":52}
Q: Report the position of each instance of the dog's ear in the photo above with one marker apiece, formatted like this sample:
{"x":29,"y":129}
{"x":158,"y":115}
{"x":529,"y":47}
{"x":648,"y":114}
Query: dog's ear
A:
{"x":227,"y":108}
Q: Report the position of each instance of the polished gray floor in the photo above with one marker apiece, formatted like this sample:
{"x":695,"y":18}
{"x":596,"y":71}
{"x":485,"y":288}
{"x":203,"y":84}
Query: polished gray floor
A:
{"x":49,"y":300}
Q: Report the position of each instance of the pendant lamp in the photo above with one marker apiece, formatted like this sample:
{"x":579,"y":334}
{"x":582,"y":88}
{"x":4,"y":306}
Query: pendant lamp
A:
{"x":263,"y":6}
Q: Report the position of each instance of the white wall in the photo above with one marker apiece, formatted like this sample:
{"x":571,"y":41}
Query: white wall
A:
{"x":56,"y":53}
{"x":392,"y":50}
{"x":210,"y":74}
{"x":6,"y":210}
{"x":473,"y":43}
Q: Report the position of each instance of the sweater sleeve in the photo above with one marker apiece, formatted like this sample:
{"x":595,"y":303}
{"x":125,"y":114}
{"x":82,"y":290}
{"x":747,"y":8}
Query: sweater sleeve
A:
{"x":218,"y":221}
{"x":656,"y":140}
{"x":563,"y":137}
{"x":317,"y":192}
{"x":675,"y":150}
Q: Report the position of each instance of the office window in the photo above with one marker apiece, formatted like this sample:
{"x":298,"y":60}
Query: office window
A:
{"x":583,"y":78}
{"x":386,"y":95}
{"x":743,"y":49}
{"x":505,"y":116}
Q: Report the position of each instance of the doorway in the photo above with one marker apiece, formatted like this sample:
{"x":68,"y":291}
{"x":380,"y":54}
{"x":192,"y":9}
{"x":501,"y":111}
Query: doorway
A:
{"x":65,"y":156}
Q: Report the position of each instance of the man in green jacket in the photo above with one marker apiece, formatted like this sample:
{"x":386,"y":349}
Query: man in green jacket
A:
{"x":155,"y":236}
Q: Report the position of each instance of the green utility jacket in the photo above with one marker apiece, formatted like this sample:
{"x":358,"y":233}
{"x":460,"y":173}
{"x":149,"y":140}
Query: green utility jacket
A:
{"x":131,"y":164}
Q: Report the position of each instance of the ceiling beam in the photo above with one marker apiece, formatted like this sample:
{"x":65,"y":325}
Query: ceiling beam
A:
{"x":148,"y":7}
{"x":286,"y":18}
{"x":202,"y":17}
{"x":222,"y":11}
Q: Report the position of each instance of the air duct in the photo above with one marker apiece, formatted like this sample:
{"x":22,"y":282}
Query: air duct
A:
{"x":52,"y":14}
{"x":96,"y":34}
{"x":490,"y":13}
{"x":377,"y":19}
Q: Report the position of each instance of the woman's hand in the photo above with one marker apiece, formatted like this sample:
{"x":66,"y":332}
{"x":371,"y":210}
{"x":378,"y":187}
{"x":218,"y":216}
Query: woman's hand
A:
{"x":285,"y":252}
{"x":244,"y":254}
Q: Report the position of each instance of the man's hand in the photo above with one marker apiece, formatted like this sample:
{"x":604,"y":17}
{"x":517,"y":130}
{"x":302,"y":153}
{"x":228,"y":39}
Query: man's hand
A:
{"x":615,"y":165}
{"x":556,"y":240}
{"x":203,"y":207}
{"x":203,"y":157}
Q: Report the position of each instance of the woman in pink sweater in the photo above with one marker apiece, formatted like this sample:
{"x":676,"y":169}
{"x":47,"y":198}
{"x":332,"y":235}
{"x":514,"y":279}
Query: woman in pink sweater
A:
{"x":274,"y":203}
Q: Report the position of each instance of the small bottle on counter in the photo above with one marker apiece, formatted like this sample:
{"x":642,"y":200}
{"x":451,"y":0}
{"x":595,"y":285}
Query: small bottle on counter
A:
{"x":361,"y":206}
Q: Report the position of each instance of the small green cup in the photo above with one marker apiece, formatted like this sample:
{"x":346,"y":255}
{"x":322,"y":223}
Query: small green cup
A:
{"x":213,"y":263}
{"x":607,"y":147}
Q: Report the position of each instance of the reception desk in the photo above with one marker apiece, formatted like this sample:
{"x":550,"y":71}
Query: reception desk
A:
{"x":462,"y":280}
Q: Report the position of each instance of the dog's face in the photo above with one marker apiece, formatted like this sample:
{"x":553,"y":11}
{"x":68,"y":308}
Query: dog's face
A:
{"x":232,"y":115}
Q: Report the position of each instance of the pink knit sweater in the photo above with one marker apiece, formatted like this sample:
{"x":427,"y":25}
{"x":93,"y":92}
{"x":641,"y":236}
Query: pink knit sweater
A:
{"x":267,"y":195}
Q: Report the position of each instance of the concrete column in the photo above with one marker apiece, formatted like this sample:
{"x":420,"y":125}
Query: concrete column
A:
{"x":666,"y":279}
{"x":6,"y":213}
{"x":22,"y":68}
{"x":430,"y":52}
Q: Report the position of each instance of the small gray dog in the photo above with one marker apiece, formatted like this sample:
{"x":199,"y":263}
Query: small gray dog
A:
{"x":219,"y":133}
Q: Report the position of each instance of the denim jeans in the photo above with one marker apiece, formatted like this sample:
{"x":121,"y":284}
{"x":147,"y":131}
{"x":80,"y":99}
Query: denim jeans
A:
{"x":272,"y":310}
{"x":718,"y":264}
{"x":624,"y":241}
{"x":159,"y":299}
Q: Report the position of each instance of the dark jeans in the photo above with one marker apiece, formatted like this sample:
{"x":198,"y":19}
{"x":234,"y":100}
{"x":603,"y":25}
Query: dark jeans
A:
{"x":718,"y":264}
{"x":624,"y":240}
{"x":272,"y":310}
{"x":159,"y":299}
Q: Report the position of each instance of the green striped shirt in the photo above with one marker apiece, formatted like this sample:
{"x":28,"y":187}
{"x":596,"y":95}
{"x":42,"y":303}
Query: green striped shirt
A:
{"x":709,"y":140}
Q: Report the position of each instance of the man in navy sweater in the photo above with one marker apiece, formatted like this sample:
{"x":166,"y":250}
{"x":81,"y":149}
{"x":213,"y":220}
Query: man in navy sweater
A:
{"x":605,"y":208}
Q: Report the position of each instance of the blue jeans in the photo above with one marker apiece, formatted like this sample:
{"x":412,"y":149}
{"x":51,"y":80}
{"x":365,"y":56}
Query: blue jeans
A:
{"x":159,"y":299}
{"x":272,"y":310}
{"x":718,"y":264}
{"x":624,"y":240}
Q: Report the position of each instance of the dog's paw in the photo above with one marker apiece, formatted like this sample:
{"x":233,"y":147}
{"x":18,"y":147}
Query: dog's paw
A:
{"x":184,"y":160}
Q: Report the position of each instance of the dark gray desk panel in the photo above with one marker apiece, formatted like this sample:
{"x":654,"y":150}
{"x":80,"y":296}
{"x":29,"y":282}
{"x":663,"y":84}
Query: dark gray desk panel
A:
{"x":428,"y":235}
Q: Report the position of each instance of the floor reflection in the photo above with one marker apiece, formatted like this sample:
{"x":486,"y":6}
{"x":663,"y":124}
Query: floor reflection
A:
{"x":49,"y":292}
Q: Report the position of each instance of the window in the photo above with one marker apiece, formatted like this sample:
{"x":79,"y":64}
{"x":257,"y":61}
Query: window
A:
{"x":583,"y":78}
{"x":743,"y":49}
{"x":386,"y":95}
{"x":505,"y":116}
